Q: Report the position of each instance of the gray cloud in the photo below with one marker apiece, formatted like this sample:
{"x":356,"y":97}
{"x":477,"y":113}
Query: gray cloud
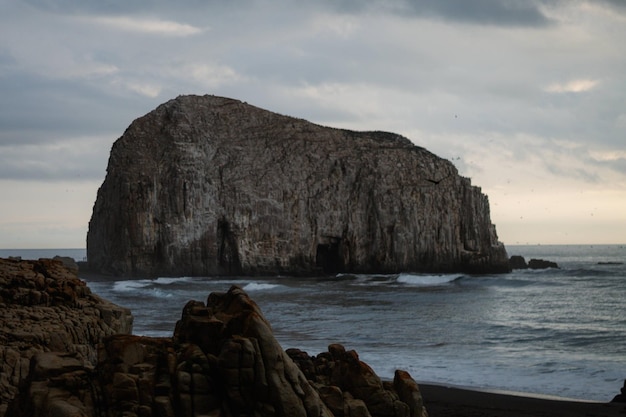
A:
{"x":490,"y":12}
{"x":516,"y":93}
{"x":40,"y":110}
{"x":523,"y":13}
{"x":311,"y":61}
{"x":79,"y":160}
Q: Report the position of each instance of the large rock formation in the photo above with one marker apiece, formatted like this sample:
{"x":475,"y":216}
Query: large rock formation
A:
{"x":210,"y":185}
{"x":44,"y":307}
{"x":222,"y":361}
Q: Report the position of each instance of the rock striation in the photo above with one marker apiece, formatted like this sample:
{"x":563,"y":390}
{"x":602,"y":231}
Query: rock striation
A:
{"x":206,"y":185}
{"x":44,"y":307}
{"x":222,"y":361}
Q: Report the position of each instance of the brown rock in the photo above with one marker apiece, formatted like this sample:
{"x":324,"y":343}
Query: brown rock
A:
{"x":409,"y":393}
{"x":44,"y":307}
{"x":339,"y":370}
{"x":237,"y":368}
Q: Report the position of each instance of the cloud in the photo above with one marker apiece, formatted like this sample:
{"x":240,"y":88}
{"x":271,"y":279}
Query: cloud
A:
{"x":142,"y":88}
{"x":574,"y":86}
{"x":39,"y":110}
{"x":485,"y":12}
{"x":526,"y":91}
{"x":613,"y":159}
{"x":77,"y":159}
{"x":144,"y":25}
{"x":517,"y":13}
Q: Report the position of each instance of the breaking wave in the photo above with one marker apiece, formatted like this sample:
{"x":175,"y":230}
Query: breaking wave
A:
{"x":427,"y":280}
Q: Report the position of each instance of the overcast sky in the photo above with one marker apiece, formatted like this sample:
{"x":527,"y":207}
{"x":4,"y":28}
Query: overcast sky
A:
{"x":527,"y":98}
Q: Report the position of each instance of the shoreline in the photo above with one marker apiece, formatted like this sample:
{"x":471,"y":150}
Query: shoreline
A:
{"x":453,"y":401}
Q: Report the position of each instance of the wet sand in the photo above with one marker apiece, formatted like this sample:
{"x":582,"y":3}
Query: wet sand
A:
{"x":442,"y":401}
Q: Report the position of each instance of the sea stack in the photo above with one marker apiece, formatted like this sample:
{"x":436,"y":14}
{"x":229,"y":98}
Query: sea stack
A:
{"x":206,"y":185}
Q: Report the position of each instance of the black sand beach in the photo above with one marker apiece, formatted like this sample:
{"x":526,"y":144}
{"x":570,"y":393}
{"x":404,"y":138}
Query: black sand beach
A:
{"x":442,"y":401}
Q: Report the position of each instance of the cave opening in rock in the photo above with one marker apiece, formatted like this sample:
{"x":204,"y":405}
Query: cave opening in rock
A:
{"x":328,"y":257}
{"x":228,"y":251}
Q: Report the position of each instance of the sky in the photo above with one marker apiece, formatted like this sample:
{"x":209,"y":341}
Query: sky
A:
{"x":527,"y":98}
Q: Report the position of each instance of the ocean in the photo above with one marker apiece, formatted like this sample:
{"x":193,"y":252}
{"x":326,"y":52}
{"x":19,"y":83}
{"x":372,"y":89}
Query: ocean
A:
{"x":557,"y":332}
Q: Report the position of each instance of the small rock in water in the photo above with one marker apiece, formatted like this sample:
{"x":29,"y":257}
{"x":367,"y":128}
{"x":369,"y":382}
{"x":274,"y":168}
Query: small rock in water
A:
{"x":541,"y":264}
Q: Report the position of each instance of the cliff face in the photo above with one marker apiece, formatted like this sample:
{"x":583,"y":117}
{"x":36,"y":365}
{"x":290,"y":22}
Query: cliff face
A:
{"x":210,"y":185}
{"x":44,"y":307}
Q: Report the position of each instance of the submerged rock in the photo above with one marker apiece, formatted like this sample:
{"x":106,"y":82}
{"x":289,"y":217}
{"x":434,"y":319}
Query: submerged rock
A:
{"x":210,"y":185}
{"x":222,"y":361}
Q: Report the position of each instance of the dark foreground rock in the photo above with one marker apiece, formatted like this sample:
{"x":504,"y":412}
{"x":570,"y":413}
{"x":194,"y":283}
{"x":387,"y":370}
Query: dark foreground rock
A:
{"x":44,"y":307}
{"x":222,"y":361}
{"x":621,"y":397}
{"x":213,"y":186}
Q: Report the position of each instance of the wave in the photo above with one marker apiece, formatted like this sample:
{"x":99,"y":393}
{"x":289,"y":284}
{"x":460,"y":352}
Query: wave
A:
{"x":157,"y":293}
{"x":260,"y":286}
{"x":405,"y":278}
{"x":427,"y":280}
{"x":171,"y":280}
{"x":130,"y":285}
{"x":145,"y":287}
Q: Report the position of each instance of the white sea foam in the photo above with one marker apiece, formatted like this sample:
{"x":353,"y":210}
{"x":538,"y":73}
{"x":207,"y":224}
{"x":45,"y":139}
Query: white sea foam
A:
{"x":130,"y":285}
{"x":171,"y":280}
{"x":426,"y":280}
{"x":141,"y":286}
{"x":259,"y":286}
{"x":157,"y":293}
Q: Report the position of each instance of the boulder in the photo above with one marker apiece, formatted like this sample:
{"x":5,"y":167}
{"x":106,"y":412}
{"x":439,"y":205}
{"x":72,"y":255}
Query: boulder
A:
{"x":223,"y":360}
{"x":541,"y":264}
{"x":518,"y":262}
{"x":207,"y":185}
{"x":341,"y":378}
{"x":44,"y":307}
{"x":68,"y":262}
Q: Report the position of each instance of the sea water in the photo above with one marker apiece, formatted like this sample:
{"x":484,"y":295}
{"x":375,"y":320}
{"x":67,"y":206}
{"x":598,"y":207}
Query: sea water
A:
{"x":555,"y":331}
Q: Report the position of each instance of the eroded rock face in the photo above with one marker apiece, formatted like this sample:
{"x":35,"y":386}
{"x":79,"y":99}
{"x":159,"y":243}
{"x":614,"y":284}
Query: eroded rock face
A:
{"x":222,"y":361}
{"x":44,"y":307}
{"x":347,"y":385}
{"x":210,"y":185}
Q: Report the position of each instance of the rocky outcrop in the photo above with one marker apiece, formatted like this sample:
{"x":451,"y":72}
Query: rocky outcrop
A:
{"x":518,"y":262}
{"x":222,"y":361}
{"x":346,"y":385}
{"x":210,"y":185}
{"x":44,"y":307}
{"x":542,"y":264}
